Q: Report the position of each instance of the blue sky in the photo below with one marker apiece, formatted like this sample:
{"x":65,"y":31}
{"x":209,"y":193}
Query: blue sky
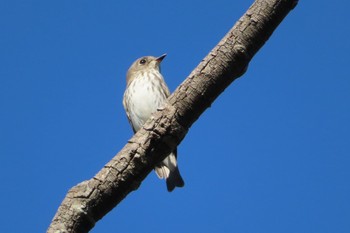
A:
{"x":270,"y":155}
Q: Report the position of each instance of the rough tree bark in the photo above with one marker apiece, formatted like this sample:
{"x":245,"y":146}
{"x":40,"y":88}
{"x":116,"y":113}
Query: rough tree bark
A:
{"x":90,"y":200}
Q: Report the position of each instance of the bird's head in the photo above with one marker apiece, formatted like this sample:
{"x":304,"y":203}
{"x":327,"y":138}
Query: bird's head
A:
{"x":144,"y":64}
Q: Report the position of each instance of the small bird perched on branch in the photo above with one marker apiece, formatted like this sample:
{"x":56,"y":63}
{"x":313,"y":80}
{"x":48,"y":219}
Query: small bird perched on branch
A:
{"x":145,"y":92}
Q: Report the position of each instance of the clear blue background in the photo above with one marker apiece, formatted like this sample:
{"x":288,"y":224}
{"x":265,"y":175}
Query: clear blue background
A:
{"x":272,"y":154}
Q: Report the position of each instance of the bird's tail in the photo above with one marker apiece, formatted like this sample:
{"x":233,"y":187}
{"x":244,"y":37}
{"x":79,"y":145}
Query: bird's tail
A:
{"x":168,"y":170}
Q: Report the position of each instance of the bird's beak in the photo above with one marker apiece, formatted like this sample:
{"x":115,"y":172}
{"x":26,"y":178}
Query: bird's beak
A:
{"x":160,"y":59}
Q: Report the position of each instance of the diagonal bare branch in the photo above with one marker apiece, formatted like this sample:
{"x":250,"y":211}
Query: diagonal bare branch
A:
{"x":90,"y":200}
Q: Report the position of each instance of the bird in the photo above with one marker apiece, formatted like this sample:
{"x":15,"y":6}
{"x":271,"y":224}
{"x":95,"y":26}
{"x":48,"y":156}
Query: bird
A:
{"x":146,"y":91}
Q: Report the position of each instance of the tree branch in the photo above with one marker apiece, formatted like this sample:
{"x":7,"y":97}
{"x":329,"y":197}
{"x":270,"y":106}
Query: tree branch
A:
{"x":90,"y":200}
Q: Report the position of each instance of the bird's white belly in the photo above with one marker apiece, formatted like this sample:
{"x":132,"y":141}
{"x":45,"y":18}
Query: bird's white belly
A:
{"x":145,"y":101}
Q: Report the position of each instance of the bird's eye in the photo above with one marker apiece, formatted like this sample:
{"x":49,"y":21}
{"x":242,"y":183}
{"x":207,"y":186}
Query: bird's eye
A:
{"x":143,"y":61}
